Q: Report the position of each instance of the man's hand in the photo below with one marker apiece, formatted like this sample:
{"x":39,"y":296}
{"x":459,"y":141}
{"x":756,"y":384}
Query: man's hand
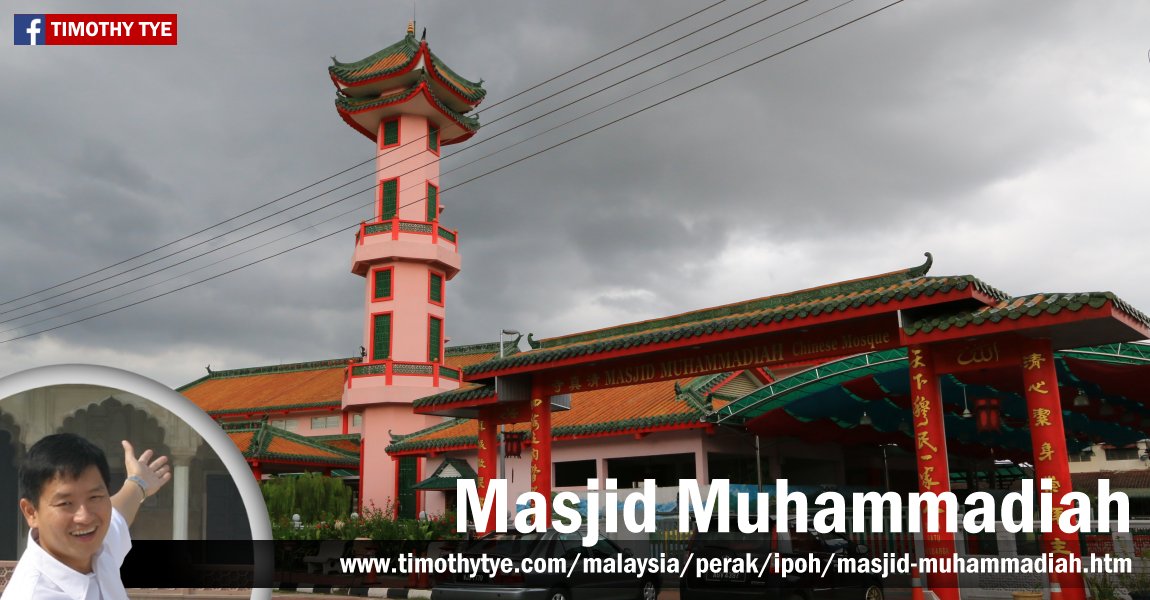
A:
{"x":154,"y":473}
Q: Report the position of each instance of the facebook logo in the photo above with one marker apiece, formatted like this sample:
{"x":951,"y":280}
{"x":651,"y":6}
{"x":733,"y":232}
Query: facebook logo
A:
{"x":28,"y":30}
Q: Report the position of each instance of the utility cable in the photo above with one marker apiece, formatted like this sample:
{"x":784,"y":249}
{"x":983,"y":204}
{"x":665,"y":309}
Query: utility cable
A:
{"x":297,"y":204}
{"x":355,"y":166}
{"x":522,"y":159}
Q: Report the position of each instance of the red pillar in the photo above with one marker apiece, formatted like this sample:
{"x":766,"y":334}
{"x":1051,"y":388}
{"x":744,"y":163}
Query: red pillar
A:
{"x":930,"y":453}
{"x":1048,"y":439}
{"x":256,"y":471}
{"x":488,"y":463}
{"x":541,"y":445}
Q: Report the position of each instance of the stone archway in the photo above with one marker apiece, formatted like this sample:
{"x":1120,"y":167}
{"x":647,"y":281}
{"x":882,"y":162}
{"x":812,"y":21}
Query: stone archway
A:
{"x":110,"y":421}
{"x":10,"y":519}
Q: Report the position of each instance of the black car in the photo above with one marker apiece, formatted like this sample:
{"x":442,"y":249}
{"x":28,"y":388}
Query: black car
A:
{"x":825,"y":584}
{"x":553,"y":584}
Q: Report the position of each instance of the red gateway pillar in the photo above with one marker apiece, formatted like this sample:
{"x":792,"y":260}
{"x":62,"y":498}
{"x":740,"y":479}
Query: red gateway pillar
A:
{"x":930,"y":453}
{"x":1048,"y":439}
{"x":488,"y":463}
{"x":541,"y":446}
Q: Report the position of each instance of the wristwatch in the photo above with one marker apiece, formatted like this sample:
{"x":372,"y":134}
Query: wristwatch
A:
{"x":136,"y":479}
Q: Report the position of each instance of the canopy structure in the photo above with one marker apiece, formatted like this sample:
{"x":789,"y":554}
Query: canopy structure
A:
{"x":1102,"y":389}
{"x":447,"y":476}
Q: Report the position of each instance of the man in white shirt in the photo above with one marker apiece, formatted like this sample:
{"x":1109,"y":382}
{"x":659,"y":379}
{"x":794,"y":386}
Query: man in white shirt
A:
{"x":79,"y":531}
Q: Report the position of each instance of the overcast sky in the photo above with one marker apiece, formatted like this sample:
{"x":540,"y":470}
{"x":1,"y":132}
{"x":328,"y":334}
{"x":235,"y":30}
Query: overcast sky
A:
{"x":1008,"y":138}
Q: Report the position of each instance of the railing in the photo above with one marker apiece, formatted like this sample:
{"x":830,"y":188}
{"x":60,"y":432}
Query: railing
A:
{"x":391,"y":368}
{"x":396,"y":226}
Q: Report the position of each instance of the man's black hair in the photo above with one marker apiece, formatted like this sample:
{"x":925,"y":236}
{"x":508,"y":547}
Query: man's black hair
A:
{"x":65,"y":455}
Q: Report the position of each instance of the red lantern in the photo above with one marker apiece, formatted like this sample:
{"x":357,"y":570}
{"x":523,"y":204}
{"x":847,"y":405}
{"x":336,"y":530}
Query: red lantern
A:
{"x":513,"y":443}
{"x":989,"y":415}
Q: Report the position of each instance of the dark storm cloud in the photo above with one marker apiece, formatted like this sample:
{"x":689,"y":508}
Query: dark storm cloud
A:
{"x":847,"y":156}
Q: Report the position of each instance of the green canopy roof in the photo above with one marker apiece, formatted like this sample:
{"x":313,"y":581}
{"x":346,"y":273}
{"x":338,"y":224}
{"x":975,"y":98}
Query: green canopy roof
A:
{"x":447,"y":475}
{"x":837,"y":394}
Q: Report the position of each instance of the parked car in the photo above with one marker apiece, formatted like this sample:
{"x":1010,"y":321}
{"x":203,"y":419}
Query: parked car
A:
{"x":732,"y":585}
{"x":550,"y":585}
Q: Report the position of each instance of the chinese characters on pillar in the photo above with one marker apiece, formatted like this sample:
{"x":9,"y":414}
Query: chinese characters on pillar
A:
{"x":1048,"y":443}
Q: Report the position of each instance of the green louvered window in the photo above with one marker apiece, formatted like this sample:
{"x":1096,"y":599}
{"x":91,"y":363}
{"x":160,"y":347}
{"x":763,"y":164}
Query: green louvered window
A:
{"x":432,"y":137}
{"x":381,"y":337}
{"x":389,"y":199}
{"x":434,"y":339}
{"x":390,"y":133}
{"x":407,"y":498}
{"x":382,"y":289}
{"x":435,"y":292}
{"x":432,"y":202}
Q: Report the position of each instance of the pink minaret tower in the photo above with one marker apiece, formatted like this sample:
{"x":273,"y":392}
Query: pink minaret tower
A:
{"x":409,"y":104}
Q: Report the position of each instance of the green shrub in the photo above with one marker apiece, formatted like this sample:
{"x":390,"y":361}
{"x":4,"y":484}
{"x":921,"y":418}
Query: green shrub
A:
{"x":310,"y":495}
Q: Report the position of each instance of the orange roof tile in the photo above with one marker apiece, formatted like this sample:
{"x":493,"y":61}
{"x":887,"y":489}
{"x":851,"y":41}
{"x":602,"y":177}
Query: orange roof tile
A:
{"x":639,"y":406}
{"x":316,"y":384}
{"x":289,"y":389}
{"x":242,"y":440}
{"x":283,"y":446}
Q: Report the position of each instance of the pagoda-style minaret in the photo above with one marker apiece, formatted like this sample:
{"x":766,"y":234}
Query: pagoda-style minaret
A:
{"x":409,"y":104}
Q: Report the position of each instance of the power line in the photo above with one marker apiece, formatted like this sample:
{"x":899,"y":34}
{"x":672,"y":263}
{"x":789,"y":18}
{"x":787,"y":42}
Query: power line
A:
{"x":415,"y":140}
{"x":355,"y":166}
{"x":517,"y":161}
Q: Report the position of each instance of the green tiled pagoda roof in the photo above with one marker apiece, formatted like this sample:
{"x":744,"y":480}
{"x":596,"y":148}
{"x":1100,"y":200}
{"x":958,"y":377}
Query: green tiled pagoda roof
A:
{"x":349,"y":104}
{"x":775,"y":309}
{"x":471,"y":90}
{"x":388,"y":60}
{"x":463,"y":394}
{"x":398,"y":58}
{"x":1034,"y":305}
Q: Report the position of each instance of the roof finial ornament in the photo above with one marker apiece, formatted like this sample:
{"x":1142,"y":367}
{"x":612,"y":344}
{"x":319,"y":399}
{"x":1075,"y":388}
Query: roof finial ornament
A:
{"x":922,"y":269}
{"x":411,"y":27}
{"x":209,"y":368}
{"x":423,"y":36}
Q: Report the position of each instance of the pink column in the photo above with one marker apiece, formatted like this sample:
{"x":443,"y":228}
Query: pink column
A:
{"x":1048,"y":439}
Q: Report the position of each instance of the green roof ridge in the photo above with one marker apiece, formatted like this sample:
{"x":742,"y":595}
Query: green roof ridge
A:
{"x":918,"y":287}
{"x":474,"y":92}
{"x":265,"y":433}
{"x":480,"y":348}
{"x":314,"y":365}
{"x":408,"y":45}
{"x":277,"y":407}
{"x":331,"y":437}
{"x":738,"y":308}
{"x":450,"y":397}
{"x":1031,"y":305}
